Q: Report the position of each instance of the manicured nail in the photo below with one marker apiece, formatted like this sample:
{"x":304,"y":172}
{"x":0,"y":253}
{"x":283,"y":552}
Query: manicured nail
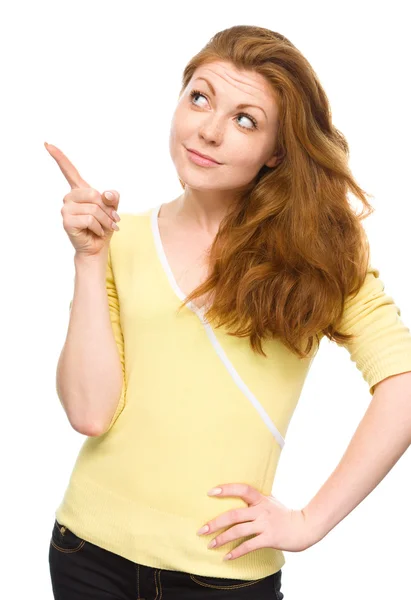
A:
{"x":109,"y":195}
{"x":203,"y":530}
{"x":116,"y":216}
{"x":214,"y":491}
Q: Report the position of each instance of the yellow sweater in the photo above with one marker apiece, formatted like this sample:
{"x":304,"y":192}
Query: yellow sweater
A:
{"x":198,"y":408}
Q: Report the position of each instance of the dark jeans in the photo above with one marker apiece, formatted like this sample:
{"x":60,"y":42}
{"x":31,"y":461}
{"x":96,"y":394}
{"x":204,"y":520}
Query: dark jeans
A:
{"x":81,"y":570}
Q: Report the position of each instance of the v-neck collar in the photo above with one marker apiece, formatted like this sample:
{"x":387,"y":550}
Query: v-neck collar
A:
{"x":166,"y":266}
{"x":208,"y":329}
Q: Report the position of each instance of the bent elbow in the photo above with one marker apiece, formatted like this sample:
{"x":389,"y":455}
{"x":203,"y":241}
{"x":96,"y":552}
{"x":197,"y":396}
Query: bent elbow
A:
{"x":89,"y":429}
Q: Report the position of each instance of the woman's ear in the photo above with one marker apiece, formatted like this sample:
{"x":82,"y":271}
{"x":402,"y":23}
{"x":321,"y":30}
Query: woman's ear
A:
{"x":276,"y":158}
{"x":273,"y":161}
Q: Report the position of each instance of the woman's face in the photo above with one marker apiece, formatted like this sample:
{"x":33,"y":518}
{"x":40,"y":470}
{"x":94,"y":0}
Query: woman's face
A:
{"x":207,"y":119}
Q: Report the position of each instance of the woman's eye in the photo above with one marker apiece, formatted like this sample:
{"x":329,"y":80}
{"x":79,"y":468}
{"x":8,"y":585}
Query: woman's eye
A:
{"x":195,"y":93}
{"x":253,"y":122}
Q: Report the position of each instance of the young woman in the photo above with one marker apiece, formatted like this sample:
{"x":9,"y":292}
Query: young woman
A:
{"x":192,"y":331}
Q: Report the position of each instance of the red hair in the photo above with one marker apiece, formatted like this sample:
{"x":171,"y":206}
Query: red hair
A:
{"x":292,"y":248}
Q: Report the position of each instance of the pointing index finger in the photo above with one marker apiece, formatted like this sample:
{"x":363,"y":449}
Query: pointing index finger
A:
{"x":66,"y":166}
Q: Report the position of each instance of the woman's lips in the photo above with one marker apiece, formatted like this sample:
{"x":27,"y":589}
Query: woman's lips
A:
{"x":200,"y":160}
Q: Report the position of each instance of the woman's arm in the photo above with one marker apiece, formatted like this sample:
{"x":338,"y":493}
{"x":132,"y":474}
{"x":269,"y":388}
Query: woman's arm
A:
{"x":89,"y":372}
{"x":383,"y":435}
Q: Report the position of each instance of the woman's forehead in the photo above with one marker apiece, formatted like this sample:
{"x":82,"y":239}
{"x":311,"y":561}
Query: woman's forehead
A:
{"x":230,"y":73}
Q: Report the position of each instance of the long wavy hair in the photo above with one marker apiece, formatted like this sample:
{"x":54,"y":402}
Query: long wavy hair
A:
{"x":291,"y":250}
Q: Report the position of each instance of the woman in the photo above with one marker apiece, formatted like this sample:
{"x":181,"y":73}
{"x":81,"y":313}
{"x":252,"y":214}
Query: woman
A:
{"x":188,"y":376}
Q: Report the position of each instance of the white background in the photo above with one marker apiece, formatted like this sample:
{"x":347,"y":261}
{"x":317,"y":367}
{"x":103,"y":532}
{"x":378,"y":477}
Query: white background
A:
{"x":101,"y":80}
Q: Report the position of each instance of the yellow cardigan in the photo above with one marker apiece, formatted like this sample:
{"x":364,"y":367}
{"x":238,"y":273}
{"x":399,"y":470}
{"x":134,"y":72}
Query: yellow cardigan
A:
{"x":197,"y":407}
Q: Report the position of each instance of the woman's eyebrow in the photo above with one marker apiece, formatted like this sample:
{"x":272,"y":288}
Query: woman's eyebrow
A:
{"x":239,"y":106}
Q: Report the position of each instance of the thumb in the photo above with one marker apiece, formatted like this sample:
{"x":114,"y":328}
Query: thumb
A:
{"x":111,"y":198}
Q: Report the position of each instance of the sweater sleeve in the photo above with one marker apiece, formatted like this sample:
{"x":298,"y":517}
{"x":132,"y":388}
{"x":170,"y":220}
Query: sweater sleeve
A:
{"x":114,"y":310}
{"x":382,"y":346}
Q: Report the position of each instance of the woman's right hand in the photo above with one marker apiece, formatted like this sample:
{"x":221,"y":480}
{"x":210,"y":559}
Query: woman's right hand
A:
{"x":87,"y":214}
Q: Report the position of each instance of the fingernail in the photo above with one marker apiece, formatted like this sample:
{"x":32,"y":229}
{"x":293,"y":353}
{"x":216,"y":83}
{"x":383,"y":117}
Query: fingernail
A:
{"x":214,"y":491}
{"x":116,"y":216}
{"x":109,"y":195}
{"x":203,"y":530}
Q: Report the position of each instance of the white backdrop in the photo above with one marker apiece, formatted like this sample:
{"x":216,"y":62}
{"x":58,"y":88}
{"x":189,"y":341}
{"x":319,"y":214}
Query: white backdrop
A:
{"x":100,"y":80}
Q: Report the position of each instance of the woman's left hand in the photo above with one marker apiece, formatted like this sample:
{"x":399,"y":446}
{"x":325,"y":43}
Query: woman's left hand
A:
{"x":275,"y":525}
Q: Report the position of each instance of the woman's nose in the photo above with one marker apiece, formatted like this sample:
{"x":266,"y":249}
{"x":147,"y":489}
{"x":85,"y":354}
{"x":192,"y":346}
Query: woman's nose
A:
{"x":212,"y":130}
